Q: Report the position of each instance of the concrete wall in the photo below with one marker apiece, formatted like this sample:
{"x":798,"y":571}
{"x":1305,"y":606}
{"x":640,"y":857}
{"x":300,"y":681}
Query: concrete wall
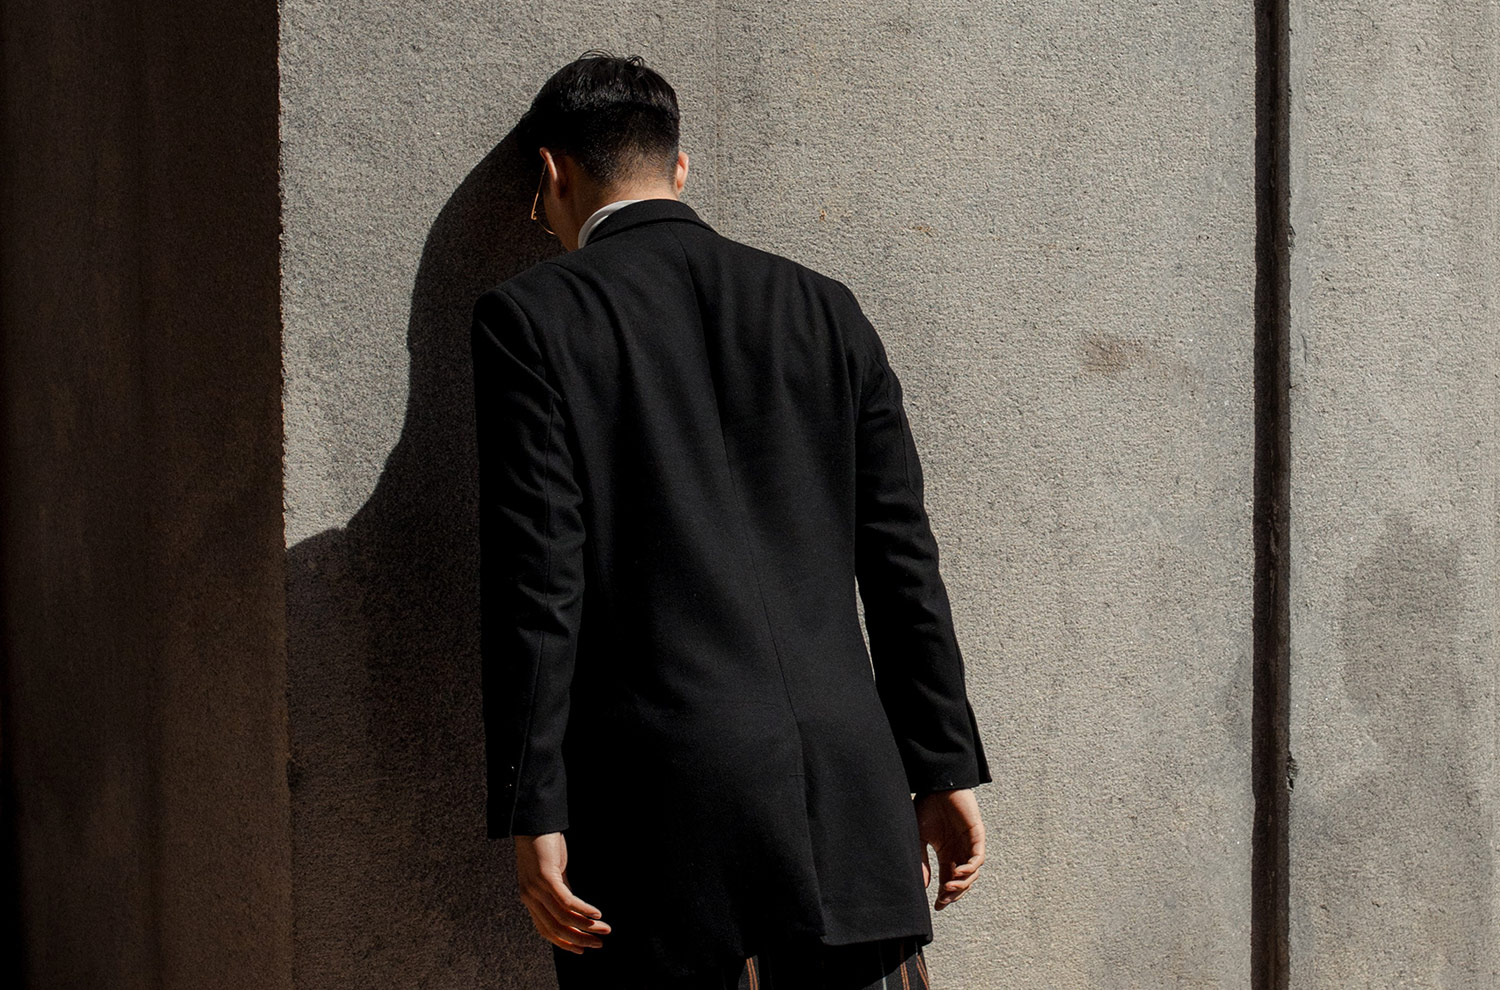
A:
{"x":1395,"y":550}
{"x":1047,"y":210}
{"x":243,"y":754}
{"x":143,"y":563}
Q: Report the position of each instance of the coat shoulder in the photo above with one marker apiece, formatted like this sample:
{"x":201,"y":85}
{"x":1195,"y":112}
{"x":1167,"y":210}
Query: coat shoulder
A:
{"x":548,"y":285}
{"x":786,"y":267}
{"x":541,"y":280}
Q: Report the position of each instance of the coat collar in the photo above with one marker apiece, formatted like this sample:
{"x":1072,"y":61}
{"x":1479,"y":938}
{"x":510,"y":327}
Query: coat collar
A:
{"x":645,"y":211}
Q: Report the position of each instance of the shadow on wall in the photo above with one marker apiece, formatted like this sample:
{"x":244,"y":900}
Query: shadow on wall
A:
{"x":395,"y":883}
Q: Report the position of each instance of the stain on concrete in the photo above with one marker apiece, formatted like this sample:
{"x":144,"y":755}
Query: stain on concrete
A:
{"x":1403,"y":664}
{"x":1110,"y":355}
{"x":1236,"y":700}
{"x":1398,"y":857}
{"x":1133,"y":358}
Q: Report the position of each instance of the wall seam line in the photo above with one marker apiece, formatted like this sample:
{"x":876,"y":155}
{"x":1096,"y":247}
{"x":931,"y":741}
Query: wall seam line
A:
{"x":1271,"y":603}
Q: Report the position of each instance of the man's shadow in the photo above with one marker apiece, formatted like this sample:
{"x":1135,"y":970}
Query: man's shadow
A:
{"x":395,"y":883}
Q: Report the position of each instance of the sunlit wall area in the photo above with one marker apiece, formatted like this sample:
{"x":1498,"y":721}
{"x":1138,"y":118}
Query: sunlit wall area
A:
{"x":1048,"y":212}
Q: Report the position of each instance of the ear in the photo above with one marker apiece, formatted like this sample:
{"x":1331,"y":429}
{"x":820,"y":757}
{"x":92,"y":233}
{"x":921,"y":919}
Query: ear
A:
{"x":682,"y":170}
{"x":555,"y":177}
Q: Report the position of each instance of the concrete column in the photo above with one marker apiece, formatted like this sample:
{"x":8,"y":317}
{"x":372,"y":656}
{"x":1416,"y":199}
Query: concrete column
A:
{"x":1395,"y":559}
{"x":140,"y":515}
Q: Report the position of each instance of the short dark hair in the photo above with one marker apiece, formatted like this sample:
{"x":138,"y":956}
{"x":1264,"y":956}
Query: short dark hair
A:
{"x":613,"y":114}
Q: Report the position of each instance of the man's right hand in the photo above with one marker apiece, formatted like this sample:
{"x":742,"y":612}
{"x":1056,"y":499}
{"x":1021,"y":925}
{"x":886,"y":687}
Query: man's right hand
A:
{"x":948,"y":821}
{"x":560,"y":917}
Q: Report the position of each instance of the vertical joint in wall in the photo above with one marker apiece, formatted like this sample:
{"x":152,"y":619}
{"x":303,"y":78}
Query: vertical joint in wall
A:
{"x":1270,"y":749}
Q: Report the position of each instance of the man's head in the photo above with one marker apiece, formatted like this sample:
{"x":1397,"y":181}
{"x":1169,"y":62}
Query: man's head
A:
{"x":605,"y":127}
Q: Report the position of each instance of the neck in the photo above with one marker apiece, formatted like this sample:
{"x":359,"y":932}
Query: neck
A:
{"x":588,"y":201}
{"x":606,"y":196}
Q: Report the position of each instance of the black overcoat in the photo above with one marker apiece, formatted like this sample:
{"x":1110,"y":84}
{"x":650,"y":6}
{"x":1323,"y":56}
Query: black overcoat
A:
{"x":690,"y":450}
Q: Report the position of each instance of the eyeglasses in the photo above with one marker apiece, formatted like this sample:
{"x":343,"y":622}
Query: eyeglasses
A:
{"x":537,"y":197}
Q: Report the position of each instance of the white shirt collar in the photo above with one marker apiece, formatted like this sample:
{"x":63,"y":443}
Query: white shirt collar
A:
{"x":600,"y":214}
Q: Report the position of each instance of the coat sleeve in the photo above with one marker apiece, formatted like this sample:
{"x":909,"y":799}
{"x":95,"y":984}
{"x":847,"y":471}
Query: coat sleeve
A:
{"x":919,"y":671}
{"x":530,"y":571}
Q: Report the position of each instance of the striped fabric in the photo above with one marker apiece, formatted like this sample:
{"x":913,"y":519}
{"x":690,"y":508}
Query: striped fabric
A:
{"x":890,"y":964}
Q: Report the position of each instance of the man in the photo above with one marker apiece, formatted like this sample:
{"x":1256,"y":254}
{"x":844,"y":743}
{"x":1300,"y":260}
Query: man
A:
{"x":690,"y":451}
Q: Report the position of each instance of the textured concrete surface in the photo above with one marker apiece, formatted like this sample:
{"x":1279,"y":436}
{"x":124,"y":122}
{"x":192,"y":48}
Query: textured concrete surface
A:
{"x":1395,"y":560}
{"x":1046,"y":209}
{"x":143,"y":565}
{"x":245,"y":756}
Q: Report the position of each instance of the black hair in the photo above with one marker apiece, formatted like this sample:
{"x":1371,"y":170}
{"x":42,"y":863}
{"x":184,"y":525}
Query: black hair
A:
{"x":613,"y":114}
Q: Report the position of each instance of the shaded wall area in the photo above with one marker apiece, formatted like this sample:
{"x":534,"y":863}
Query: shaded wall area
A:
{"x":140,"y":530}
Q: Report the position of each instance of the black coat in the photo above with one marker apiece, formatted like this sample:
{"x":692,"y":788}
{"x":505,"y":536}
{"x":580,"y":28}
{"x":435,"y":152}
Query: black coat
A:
{"x":689,"y":450}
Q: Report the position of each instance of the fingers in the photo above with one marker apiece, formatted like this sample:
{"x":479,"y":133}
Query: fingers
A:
{"x":563,"y":918}
{"x":562,"y":928}
{"x":957,"y":877}
{"x":976,"y":853}
{"x":955,"y":885}
{"x":547,"y":926}
{"x":949,"y":821}
{"x":574,"y":904}
{"x":560,"y":916}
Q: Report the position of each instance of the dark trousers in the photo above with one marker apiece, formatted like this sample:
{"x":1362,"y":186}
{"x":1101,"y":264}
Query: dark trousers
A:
{"x":804,"y":964}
